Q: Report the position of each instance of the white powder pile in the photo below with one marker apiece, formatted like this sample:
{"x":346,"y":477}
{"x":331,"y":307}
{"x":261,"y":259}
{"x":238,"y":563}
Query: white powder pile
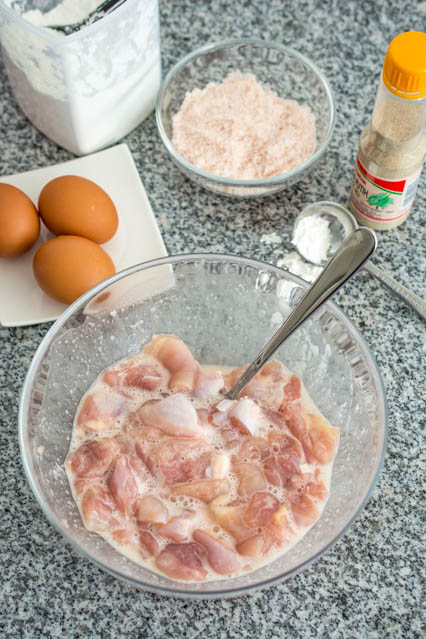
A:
{"x":239,"y":129}
{"x":312,"y":238}
{"x":296,"y":265}
{"x":67,"y":12}
{"x":271,"y":238}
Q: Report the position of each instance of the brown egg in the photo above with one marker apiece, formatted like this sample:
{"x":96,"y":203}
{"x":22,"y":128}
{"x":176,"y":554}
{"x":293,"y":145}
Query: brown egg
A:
{"x":73,"y":205}
{"x":67,"y":266}
{"x":19,"y":222}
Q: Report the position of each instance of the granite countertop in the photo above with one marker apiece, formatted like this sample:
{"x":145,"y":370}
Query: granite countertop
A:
{"x":370,"y":583}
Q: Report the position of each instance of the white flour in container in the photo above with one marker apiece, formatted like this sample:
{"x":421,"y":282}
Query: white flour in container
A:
{"x":87,"y":90}
{"x":240,"y":129}
{"x":67,"y":12}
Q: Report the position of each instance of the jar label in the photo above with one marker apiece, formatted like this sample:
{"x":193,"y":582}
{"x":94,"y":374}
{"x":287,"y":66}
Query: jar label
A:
{"x":380,"y":199}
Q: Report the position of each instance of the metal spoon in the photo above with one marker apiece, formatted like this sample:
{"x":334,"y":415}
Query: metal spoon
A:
{"x":104,"y":7}
{"x":355,"y":250}
{"x":341,"y":222}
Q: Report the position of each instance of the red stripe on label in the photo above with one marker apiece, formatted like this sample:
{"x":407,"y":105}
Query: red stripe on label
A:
{"x":391,"y":185}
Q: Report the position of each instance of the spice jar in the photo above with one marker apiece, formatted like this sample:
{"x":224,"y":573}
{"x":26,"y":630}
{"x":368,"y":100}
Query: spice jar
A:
{"x":393,"y":144}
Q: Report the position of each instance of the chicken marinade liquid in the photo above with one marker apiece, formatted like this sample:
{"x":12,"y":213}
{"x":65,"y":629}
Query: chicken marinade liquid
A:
{"x":192,"y":485}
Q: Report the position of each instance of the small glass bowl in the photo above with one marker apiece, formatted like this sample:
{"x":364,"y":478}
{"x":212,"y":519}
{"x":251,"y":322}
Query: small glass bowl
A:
{"x":225,"y":308}
{"x":289,"y":73}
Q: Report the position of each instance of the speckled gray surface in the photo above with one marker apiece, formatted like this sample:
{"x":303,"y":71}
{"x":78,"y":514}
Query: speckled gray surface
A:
{"x":370,"y":583}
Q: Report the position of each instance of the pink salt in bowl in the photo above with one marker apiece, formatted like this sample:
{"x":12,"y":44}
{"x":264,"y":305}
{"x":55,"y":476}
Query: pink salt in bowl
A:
{"x":289,"y":74}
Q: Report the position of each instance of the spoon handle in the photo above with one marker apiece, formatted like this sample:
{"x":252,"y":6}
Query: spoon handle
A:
{"x":352,"y":254}
{"x":400,"y":290}
{"x":104,"y":7}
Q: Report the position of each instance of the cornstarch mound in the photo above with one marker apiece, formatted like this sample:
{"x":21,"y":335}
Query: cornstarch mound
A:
{"x":240,"y":129}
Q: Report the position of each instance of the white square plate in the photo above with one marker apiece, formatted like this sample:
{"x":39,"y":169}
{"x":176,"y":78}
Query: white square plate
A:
{"x":138,"y":238}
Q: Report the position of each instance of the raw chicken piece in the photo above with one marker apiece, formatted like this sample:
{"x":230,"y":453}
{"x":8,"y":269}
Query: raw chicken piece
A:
{"x":219,"y":418}
{"x":280,"y":469}
{"x":204,"y":489}
{"x":260,"y":509}
{"x":203,"y":417}
{"x":319,"y":440}
{"x":250,"y":478}
{"x":233,"y":376}
{"x":269,"y":383}
{"x":148,"y":543}
{"x":292,"y":389}
{"x":150,"y":508}
{"x":236,"y":417}
{"x":247,"y":521}
{"x":294,"y":417}
{"x":122,"y":485}
{"x":138,"y":430}
{"x":143,"y":376}
{"x":145,"y":450}
{"x":94,"y":458}
{"x":274,"y":370}
{"x":286,"y":444}
{"x":207,"y":384}
{"x":325,"y":439}
{"x":98,"y":510}
{"x":282,"y":466}
{"x":174,"y":415}
{"x":266,"y":386}
{"x":242,"y":414}
{"x":125,"y":443}
{"x":99,"y":409}
{"x":222,"y":559}
{"x":252,"y":449}
{"x":305,"y":492}
{"x":275,"y":418}
{"x":125,"y":536}
{"x":176,"y":461}
{"x":309,"y":483}
{"x":252,"y":547}
{"x":304,"y":510}
{"x":80,"y":485}
{"x":127,"y":447}
{"x":176,"y":357}
{"x":180,"y":527}
{"x":219,"y":467}
{"x":182,"y":561}
{"x":276,"y":532}
{"x":231,"y":518}
{"x":245,"y":416}
{"x":139,"y":469}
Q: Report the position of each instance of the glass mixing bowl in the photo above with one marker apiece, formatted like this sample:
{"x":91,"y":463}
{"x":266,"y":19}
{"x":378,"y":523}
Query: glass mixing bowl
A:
{"x":225,"y":308}
{"x":286,"y":72}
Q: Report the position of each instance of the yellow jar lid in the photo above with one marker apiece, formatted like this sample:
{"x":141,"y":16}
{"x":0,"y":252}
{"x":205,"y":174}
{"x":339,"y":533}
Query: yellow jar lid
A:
{"x":404,"y":68}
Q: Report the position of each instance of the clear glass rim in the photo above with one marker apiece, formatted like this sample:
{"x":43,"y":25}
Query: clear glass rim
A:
{"x":176,"y":259}
{"x":223,"y":44}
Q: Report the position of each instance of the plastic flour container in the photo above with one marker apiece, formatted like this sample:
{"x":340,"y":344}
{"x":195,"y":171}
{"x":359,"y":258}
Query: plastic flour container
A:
{"x":86,"y":90}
